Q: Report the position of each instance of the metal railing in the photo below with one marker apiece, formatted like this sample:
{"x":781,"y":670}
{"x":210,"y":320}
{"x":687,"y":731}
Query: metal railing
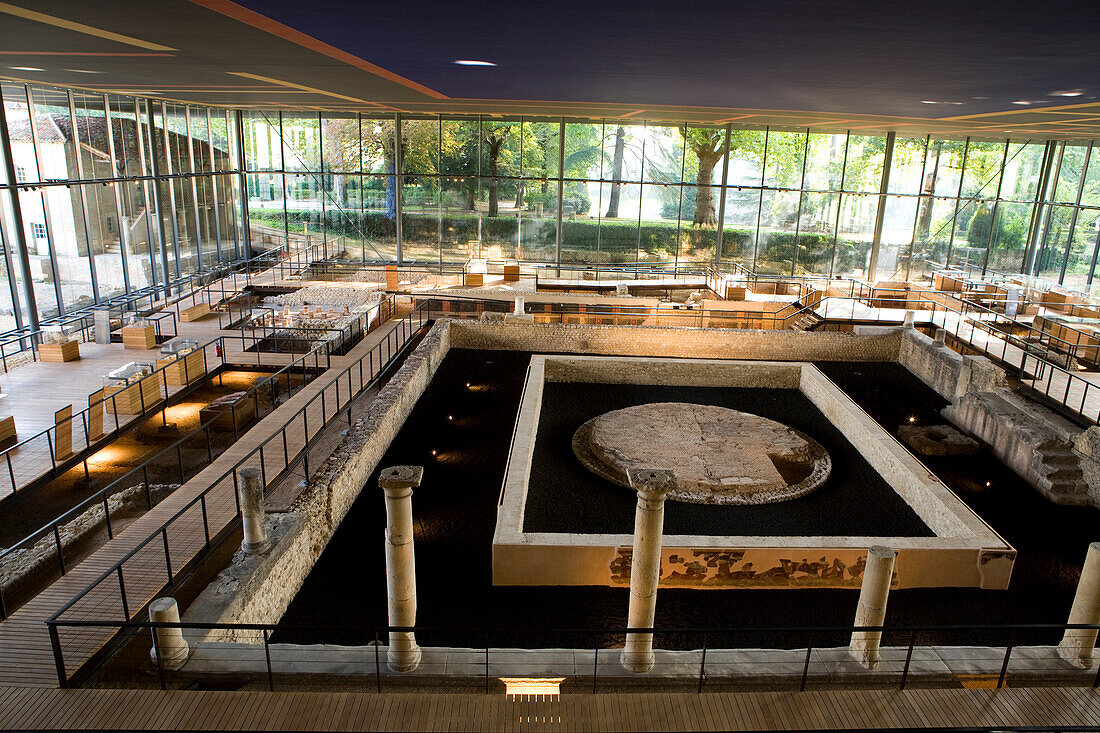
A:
{"x":582,"y":660}
{"x":180,"y":541}
{"x":264,"y":393}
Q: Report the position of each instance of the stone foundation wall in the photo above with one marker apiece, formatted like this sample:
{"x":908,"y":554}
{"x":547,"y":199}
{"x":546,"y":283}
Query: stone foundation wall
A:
{"x":948,"y":372}
{"x":260,"y":590}
{"x":698,"y":343}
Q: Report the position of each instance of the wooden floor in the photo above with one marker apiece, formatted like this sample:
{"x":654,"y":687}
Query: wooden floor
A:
{"x":36,"y":390}
{"x":26,"y":657}
{"x":1047,"y":708}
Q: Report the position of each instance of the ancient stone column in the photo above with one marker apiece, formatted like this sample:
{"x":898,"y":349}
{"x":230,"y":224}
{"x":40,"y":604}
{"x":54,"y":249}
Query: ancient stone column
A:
{"x":519,"y":306}
{"x":871,"y":610}
{"x":907,"y":319}
{"x":652,"y":484}
{"x":398,"y":482}
{"x":1077,"y":644}
{"x":250,"y":490}
{"x":941,"y":337}
{"x":169,"y":641}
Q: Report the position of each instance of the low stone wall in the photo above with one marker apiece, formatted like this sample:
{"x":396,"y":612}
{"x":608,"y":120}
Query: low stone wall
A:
{"x":948,"y":372}
{"x":698,"y":343}
{"x":259,"y":590}
{"x":19,"y":569}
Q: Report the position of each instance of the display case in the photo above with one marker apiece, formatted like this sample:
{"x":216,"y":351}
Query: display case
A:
{"x":131,"y":389}
{"x":182,"y":361}
{"x":58,"y":345}
{"x":140,"y":335}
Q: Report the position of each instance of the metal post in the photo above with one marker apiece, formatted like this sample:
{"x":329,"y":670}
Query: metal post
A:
{"x":267,"y":656}
{"x":880,"y":213}
{"x":17,"y":214}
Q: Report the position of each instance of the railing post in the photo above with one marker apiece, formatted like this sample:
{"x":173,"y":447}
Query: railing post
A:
{"x":1008,"y":654}
{"x":60,"y":551}
{"x":595,"y":666}
{"x":908,"y":659}
{"x":267,"y":656}
{"x":122,"y":593}
{"x":58,"y":657}
{"x":377,"y":665}
{"x":167,"y":553}
{"x":806,"y":668}
{"x":107,"y":517}
{"x":703,"y":666}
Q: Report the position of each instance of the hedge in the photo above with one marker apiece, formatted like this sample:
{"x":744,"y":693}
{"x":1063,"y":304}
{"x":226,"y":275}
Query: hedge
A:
{"x":613,"y":237}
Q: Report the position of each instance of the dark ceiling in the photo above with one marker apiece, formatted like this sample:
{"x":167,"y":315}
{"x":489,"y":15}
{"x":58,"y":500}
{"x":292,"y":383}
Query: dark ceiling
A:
{"x":952,"y":68}
{"x":881,"y":58}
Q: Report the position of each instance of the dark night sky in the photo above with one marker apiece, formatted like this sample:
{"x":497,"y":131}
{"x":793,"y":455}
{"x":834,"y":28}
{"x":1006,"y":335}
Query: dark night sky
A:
{"x":881,"y":58}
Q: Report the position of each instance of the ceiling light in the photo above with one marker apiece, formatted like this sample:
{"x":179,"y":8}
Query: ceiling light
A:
{"x":928,"y":101}
{"x":26,"y":68}
{"x":1021,"y":101}
{"x":470,"y":62}
{"x":1068,"y":93}
{"x":83,"y":71}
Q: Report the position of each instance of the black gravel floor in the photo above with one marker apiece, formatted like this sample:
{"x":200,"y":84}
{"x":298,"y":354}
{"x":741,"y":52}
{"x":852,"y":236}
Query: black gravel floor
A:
{"x":455,"y":513}
{"x":564,"y":496}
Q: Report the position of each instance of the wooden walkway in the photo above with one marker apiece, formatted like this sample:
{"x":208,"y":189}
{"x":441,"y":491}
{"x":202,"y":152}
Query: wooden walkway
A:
{"x":26,"y":656}
{"x":1049,"y":708}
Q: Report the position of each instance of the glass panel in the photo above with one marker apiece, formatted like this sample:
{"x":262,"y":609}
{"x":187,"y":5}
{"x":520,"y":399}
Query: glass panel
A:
{"x":943,"y":167}
{"x":420,"y":219}
{"x":266,"y":215}
{"x":56,"y":153}
{"x":739,"y":227}
{"x":825,"y":161}
{"x":1021,"y":178}
{"x":906,"y":165}
{"x":778,"y":221}
{"x":897,"y":236}
{"x":135,"y":229}
{"x":1010,"y":229}
{"x":104,"y":238}
{"x":420,"y":146}
{"x":340,"y":141}
{"x":983,"y":169}
{"x":746,"y":157}
{"x":855,"y":235}
{"x":176,"y":131}
{"x":19,"y":132}
{"x":863,"y":170}
{"x":185,"y":226}
{"x":1091,"y":193}
{"x":262,"y":149}
{"x":301,"y":141}
{"x":584,"y":157}
{"x":35,"y":231}
{"x":618,"y":227}
{"x":623,"y":152}
{"x":541,"y":144}
{"x":1069,"y":172}
{"x":1048,"y":265}
{"x":124,"y":124}
{"x":200,"y":139}
{"x":659,"y":228}
{"x":225,"y":150}
{"x":783,"y":164}
{"x":816,"y":233}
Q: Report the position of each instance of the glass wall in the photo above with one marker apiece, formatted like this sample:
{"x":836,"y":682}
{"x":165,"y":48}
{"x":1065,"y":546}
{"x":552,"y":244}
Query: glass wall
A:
{"x":110,"y":189}
{"x":581,"y":191}
{"x":117,"y":194}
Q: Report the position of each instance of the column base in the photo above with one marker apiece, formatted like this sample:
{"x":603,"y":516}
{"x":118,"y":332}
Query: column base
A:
{"x":171,"y":658}
{"x":403,"y":660}
{"x":865,"y":652}
{"x":255,"y":548}
{"x":1076,"y":653}
{"x":637,"y":660}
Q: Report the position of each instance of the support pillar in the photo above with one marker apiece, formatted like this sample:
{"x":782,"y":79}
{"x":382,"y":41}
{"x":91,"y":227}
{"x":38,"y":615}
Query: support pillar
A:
{"x":519,"y":311}
{"x":398,"y":482}
{"x":652,"y":484}
{"x":250,"y":490}
{"x":871,"y":610}
{"x":941,"y":337}
{"x":170,"y":642}
{"x":1077,"y":644}
{"x":907,"y":319}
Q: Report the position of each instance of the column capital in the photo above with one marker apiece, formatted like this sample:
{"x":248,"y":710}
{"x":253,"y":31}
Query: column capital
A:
{"x":398,"y":479}
{"x":651,"y":483}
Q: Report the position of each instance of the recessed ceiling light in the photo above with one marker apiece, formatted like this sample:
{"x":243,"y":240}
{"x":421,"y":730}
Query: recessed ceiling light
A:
{"x":83,"y":71}
{"x":471,"y":62}
{"x":928,"y":101}
{"x":26,"y":68}
{"x":1021,"y":101}
{"x":1068,"y":93}
{"x":981,"y":97}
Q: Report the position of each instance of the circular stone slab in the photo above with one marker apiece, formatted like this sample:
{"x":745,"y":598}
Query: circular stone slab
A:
{"x":719,"y":456}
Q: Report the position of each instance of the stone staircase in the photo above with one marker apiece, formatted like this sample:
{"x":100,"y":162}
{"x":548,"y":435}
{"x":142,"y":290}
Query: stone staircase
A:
{"x":804,"y":321}
{"x":1035,"y":442}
